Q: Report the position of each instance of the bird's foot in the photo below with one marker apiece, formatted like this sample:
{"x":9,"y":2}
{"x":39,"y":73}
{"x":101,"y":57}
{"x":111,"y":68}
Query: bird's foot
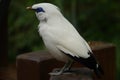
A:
{"x":56,"y":73}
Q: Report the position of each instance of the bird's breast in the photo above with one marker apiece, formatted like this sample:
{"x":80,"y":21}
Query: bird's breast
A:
{"x":50,"y":38}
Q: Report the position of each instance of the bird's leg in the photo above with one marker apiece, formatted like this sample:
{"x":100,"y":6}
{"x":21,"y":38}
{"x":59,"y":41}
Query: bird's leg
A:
{"x":69,"y":65}
{"x":66,"y":68}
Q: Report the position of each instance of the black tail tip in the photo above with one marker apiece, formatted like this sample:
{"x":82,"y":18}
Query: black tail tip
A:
{"x":99,"y":71}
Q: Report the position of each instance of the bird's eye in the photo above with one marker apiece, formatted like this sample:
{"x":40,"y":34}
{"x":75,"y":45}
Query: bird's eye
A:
{"x":39,"y":10}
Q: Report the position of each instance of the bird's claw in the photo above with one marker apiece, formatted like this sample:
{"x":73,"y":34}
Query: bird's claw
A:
{"x":55,"y":73}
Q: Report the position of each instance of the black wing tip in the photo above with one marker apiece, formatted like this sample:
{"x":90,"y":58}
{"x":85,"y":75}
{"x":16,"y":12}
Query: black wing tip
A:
{"x":90,"y":62}
{"x":99,"y":71}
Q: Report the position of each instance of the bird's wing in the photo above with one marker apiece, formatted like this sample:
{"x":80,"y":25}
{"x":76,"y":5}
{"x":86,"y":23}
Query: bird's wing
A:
{"x":71,"y":41}
{"x":78,"y":53}
{"x":74,"y":46}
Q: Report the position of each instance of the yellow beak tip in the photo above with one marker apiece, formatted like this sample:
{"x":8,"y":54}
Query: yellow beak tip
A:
{"x":28,"y":8}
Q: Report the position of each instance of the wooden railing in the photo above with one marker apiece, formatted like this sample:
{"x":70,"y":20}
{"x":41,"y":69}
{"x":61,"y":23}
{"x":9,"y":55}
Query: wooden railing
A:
{"x":37,"y":65}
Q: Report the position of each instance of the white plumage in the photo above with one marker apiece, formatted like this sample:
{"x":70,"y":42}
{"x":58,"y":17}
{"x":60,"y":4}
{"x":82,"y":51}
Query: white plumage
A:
{"x":60,"y":37}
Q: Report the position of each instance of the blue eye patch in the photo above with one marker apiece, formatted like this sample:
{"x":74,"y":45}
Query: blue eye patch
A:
{"x":39,"y":10}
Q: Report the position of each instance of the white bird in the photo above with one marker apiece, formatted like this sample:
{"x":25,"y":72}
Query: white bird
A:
{"x":62,"y":39}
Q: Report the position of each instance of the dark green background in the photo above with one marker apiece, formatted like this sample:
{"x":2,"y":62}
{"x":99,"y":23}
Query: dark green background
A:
{"x":96,"y":20}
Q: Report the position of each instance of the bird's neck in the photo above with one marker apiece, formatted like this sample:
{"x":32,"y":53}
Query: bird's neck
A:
{"x":56,"y":19}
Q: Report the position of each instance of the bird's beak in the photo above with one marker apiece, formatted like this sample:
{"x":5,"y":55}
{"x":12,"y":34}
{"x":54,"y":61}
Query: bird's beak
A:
{"x":29,"y":8}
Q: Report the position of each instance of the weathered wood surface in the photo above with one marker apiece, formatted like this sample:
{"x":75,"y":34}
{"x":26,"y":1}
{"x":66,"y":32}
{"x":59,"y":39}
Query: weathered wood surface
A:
{"x":74,"y":74}
{"x":37,"y":65}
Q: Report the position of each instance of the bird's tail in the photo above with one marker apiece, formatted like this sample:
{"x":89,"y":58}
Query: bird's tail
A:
{"x":99,"y":71}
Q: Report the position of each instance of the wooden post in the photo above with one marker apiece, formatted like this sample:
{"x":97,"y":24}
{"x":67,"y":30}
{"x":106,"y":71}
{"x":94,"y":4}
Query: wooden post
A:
{"x":37,"y":65}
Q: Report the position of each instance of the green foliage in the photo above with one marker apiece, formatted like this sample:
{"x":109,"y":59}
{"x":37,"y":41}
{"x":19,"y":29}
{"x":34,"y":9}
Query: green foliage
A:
{"x":96,"y":20}
{"x":23,"y":35}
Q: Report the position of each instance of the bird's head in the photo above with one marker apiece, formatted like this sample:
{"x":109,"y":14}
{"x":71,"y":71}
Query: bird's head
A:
{"x":45,"y":11}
